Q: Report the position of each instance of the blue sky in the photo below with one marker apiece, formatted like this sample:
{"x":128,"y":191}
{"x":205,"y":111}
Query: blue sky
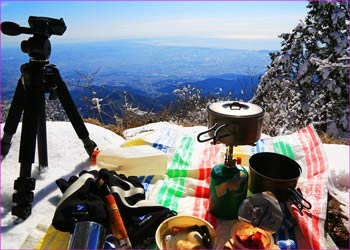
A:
{"x":245,"y":24}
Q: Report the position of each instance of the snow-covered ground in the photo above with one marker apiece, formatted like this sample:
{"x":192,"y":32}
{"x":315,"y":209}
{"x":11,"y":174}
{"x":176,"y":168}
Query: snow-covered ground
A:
{"x":67,"y":157}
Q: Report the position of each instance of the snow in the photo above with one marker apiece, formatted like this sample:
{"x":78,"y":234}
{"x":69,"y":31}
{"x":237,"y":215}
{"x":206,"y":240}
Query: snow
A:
{"x":67,"y":157}
{"x":337,"y":15}
{"x":315,"y":66}
{"x":284,"y":58}
{"x":339,"y":182}
{"x":303,"y":69}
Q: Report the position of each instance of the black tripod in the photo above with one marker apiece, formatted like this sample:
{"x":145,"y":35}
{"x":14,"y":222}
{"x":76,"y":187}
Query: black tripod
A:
{"x":38,"y":77}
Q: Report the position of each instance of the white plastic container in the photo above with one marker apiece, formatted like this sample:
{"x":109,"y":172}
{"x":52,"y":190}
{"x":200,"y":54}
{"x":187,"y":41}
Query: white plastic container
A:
{"x":139,"y":160}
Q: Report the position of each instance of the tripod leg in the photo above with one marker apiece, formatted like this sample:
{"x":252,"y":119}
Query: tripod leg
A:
{"x":70,"y":109}
{"x":41,"y":132}
{"x":13,"y":118}
{"x":24,"y":194}
{"x":24,"y":184}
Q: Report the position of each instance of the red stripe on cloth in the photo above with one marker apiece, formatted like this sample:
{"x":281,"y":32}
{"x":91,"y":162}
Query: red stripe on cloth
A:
{"x":205,"y":161}
{"x":205,"y":198}
{"x":302,"y":133}
{"x":303,"y":220}
{"x":205,"y":158}
{"x":310,"y":225}
{"x":201,"y":198}
{"x":318,"y":151}
{"x":209,"y":159}
{"x":204,"y":172}
{"x":211,"y":218}
{"x":200,"y":192}
{"x":318,"y":192}
{"x":313,"y":185}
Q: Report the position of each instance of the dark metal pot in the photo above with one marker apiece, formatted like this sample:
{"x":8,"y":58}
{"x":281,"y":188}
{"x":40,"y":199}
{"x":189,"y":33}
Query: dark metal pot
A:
{"x":276,"y":173}
{"x":234,"y":123}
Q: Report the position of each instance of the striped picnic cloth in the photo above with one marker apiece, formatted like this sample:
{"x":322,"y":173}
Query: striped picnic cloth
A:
{"x":185,"y":188}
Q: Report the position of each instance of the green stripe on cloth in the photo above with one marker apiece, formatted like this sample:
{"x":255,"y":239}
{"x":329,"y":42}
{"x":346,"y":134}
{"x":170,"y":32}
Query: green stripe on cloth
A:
{"x":173,"y":186}
{"x":276,"y":147}
{"x":177,"y":173}
{"x":282,"y":146}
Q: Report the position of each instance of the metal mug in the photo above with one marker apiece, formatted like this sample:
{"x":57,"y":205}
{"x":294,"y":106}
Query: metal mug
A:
{"x":87,"y":235}
{"x":278,"y":174}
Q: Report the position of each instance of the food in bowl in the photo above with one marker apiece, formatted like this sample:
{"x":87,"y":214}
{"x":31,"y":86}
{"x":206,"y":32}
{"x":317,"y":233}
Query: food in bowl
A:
{"x":184,"y":238}
{"x":247,"y":236}
{"x":184,"y":232}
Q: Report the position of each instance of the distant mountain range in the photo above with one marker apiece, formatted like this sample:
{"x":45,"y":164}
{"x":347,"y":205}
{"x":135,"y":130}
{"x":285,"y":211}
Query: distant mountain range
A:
{"x":148,"y":73}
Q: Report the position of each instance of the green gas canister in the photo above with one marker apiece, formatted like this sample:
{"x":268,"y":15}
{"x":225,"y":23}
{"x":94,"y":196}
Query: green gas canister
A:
{"x":228,"y":188}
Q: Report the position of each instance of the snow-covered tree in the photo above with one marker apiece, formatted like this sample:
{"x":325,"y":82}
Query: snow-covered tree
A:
{"x":308,"y":79}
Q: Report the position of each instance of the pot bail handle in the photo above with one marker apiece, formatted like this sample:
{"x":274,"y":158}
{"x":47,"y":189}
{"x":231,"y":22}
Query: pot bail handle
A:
{"x":216,"y":137}
{"x":299,"y":200}
{"x":207,"y":131}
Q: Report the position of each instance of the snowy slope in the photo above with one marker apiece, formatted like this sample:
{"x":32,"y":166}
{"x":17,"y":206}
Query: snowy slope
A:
{"x":67,"y":157}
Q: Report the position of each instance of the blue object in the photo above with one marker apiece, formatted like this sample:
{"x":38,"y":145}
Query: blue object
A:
{"x":286,"y":244}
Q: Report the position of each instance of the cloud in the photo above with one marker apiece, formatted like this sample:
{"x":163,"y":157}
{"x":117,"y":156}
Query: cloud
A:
{"x":227,"y":28}
{"x":215,"y":26}
{"x":248,"y":36}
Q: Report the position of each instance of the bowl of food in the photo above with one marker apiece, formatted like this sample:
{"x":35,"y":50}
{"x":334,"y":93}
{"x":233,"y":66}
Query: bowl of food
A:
{"x":246,"y":236}
{"x":185,"y":232}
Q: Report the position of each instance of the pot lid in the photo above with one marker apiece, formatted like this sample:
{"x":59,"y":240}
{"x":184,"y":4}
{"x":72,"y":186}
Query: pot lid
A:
{"x":236,"y":109}
{"x":261,"y":210}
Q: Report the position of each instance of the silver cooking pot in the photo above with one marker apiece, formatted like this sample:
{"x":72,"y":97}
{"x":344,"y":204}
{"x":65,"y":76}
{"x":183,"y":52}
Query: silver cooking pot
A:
{"x":233,"y":123}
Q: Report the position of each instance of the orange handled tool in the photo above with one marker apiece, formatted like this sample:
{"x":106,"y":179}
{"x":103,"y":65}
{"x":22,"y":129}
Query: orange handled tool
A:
{"x":116,"y":222}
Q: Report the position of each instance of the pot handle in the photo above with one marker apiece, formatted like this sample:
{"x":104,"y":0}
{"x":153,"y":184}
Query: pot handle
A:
{"x":216,"y":137}
{"x":299,"y":200}
{"x":207,"y":131}
{"x":235,"y":106}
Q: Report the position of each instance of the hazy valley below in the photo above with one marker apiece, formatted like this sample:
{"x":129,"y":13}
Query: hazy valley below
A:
{"x":148,"y":73}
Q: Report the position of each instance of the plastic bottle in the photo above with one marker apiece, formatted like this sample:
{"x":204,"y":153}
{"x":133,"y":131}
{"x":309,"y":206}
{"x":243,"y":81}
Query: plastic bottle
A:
{"x":142,"y":160}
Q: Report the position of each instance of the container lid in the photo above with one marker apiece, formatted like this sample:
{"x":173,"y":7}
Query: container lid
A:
{"x":261,"y":210}
{"x":236,"y":109}
{"x":93,"y":157}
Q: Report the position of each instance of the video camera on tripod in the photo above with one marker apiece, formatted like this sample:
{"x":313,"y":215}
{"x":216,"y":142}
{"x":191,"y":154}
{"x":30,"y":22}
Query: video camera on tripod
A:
{"x":38,"y":77}
{"x":42,"y":28}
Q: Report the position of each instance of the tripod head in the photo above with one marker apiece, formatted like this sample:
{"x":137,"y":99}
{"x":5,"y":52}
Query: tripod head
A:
{"x":38,"y":46}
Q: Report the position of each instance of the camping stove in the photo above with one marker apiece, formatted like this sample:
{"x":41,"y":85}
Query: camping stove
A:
{"x":233,"y":124}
